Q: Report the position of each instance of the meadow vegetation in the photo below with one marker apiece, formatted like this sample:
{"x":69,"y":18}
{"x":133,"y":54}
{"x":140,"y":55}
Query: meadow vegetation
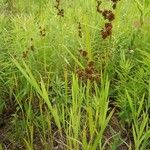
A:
{"x":74,"y":75}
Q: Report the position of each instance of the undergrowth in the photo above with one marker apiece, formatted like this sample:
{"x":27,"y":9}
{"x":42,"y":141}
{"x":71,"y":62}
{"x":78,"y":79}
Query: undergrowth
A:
{"x":75,"y":75}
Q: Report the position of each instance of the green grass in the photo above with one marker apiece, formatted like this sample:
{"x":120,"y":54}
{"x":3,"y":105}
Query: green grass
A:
{"x":45,"y":103}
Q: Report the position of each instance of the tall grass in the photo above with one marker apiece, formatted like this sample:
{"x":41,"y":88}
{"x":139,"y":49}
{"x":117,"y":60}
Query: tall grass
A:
{"x":45,"y":104}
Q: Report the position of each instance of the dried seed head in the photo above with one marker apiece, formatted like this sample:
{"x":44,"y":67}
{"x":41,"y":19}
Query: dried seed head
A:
{"x":114,"y":6}
{"x":88,"y":70}
{"x":98,"y":6}
{"x":83,"y":53}
{"x":32,"y":47}
{"x":108,"y":26}
{"x":60,"y":12}
{"x":108,"y":14}
{"x":91,"y":64}
{"x":79,"y":30}
{"x":107,"y":31}
{"x":24,"y":55}
{"x":79,"y":26}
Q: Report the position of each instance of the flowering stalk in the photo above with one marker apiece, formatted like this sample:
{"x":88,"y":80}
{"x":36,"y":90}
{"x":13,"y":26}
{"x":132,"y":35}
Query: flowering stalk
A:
{"x":107,"y":15}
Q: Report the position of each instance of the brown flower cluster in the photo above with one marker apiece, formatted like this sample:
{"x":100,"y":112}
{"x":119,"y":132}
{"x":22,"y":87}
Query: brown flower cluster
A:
{"x":79,"y":30}
{"x":107,"y":30}
{"x":107,"y":15}
{"x":114,"y":3}
{"x":60,"y":11}
{"x":89,"y":73}
{"x":42,"y":31}
{"x":98,"y":6}
{"x":31,"y":48}
{"x":25,"y":54}
{"x":83,"y":53}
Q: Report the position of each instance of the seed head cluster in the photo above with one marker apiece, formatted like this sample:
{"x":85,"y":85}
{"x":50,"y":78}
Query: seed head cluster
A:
{"x":42,"y":31}
{"x":25,"y":54}
{"x":79,"y":30}
{"x":90,"y":72}
{"x":107,"y":30}
{"x":107,"y":15}
{"x":60,"y":11}
{"x":114,"y":3}
{"x":30,"y":48}
{"x":83,"y":53}
{"x":98,"y":6}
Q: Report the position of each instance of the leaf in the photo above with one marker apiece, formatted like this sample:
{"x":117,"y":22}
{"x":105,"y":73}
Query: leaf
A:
{"x":75,"y":59}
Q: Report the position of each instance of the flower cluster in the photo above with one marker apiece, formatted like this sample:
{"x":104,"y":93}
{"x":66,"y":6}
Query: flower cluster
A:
{"x":83,"y":53}
{"x":90,"y":72}
{"x":98,"y":6}
{"x":42,"y":31}
{"x":107,"y":30}
{"x":31,"y":48}
{"x":114,"y":3}
{"x":79,"y":30}
{"x":25,"y":54}
{"x":107,"y":15}
{"x":60,"y":10}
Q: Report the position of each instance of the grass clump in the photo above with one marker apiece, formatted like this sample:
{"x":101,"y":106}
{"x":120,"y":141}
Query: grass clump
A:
{"x":74,"y":75}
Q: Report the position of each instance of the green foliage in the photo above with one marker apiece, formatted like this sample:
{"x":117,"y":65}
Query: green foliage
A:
{"x":48,"y":98}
